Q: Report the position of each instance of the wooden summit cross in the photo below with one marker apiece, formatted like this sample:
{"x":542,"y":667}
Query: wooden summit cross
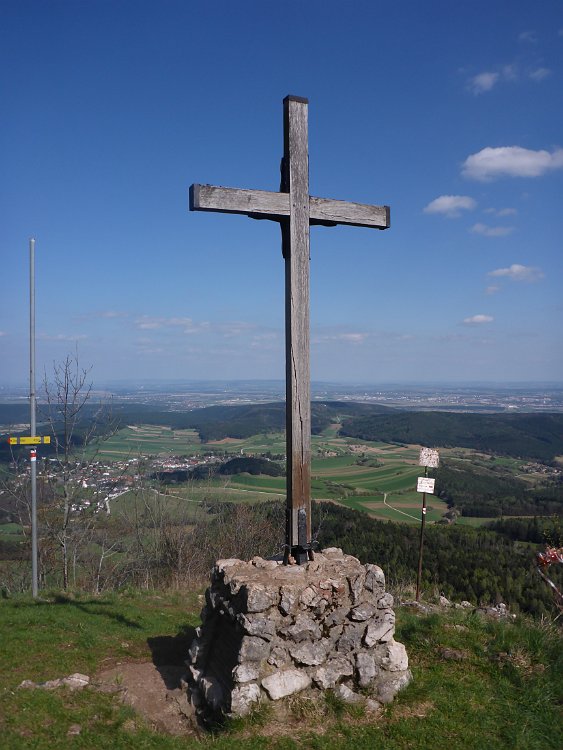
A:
{"x":296,"y":211}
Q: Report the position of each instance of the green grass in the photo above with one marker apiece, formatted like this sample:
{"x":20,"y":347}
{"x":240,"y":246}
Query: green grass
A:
{"x":11,"y":531}
{"x":504,"y":693}
{"x":131,"y":442}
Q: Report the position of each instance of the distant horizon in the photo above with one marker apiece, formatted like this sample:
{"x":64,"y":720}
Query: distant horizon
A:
{"x":140,"y":382}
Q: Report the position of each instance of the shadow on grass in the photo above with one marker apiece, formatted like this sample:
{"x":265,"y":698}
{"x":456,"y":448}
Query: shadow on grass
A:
{"x":169,"y":654}
{"x":89,"y":607}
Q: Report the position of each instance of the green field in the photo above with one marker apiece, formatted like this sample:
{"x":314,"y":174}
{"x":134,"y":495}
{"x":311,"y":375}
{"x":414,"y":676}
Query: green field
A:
{"x":373,"y":477}
{"x":132,"y":442}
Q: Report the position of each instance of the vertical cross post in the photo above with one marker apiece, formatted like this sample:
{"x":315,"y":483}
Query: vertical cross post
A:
{"x":295,"y":248}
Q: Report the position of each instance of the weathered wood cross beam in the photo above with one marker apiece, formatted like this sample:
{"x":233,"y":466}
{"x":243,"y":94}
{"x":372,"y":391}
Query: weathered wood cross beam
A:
{"x":296,"y":211}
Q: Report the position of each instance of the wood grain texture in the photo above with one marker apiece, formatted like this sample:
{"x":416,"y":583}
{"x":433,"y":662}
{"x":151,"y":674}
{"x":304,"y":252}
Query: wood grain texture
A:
{"x":275,"y":206}
{"x":353,"y":214}
{"x":298,"y":389}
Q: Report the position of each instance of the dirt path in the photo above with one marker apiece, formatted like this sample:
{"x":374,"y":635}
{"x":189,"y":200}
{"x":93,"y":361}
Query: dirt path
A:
{"x":154,"y":692}
{"x":396,"y":509}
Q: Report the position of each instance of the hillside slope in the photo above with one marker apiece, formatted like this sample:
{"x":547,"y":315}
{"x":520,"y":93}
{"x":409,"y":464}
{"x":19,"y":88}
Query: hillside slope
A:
{"x":477,"y":683}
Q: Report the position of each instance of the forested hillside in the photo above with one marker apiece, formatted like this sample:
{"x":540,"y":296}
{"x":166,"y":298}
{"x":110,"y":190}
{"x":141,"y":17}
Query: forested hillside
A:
{"x":484,"y":493}
{"x":532,"y":436}
{"x":464,"y":563}
{"x":212,"y":423}
{"x":537,"y":436}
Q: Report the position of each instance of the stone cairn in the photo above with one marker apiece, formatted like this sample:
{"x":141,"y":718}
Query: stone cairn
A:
{"x":269,"y":631}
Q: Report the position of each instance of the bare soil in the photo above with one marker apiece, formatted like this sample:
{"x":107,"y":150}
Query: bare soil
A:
{"x":154,"y":692}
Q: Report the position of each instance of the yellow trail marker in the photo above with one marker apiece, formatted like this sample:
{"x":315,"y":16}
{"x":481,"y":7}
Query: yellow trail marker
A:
{"x":36,"y":440}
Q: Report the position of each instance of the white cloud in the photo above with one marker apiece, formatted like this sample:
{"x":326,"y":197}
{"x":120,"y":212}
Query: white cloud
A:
{"x":483,"y":82}
{"x":347,"y":337}
{"x":235,"y":328}
{"x":528,"y":36}
{"x":62,"y":337}
{"x":517,"y":272}
{"x":476,"y":320}
{"x":492,"y":289}
{"x":510,"y":161}
{"x":539,"y":74}
{"x":501,"y":211}
{"x":510,"y":72}
{"x":148,"y":323}
{"x":487,"y":231}
{"x":3,"y":333}
{"x":112,"y":314}
{"x":450,"y":205}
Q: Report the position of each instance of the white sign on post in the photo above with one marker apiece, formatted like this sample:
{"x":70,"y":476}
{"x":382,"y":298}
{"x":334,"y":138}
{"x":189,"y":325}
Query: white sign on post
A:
{"x":429,"y":457}
{"x":425,"y":484}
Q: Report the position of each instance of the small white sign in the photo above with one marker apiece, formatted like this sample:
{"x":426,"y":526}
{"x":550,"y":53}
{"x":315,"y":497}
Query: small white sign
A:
{"x":425,"y":484}
{"x":429,"y":457}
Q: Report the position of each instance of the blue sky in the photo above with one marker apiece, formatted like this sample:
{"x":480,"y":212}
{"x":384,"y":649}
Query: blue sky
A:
{"x":451,"y":113}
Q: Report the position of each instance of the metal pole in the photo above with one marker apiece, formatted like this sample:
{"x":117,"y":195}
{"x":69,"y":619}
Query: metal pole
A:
{"x":32,"y":428}
{"x":423,"y":521}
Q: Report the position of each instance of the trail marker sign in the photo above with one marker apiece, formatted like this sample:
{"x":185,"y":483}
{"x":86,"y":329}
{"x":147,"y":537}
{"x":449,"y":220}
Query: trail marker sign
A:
{"x":30,"y":440}
{"x":425,"y":484}
{"x":429,"y":457}
{"x":296,"y":211}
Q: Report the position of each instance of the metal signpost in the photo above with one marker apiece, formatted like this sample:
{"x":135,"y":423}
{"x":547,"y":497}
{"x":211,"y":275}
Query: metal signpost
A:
{"x":295,"y":210}
{"x":32,"y":438}
{"x":428,"y":458}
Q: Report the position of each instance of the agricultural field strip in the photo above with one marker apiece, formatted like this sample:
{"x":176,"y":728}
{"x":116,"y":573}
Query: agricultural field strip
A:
{"x":397,"y":475}
{"x":396,"y":509}
{"x":363,"y":475}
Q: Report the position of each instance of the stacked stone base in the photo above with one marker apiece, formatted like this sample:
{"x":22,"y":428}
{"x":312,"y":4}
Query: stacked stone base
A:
{"x":269,"y":631}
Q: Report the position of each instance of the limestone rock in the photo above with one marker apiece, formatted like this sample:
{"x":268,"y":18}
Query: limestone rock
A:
{"x":258,"y":625}
{"x":333,"y":552}
{"x":259,"y":598}
{"x":389,"y":684}
{"x":372,"y":706}
{"x":356,"y":584}
{"x":287,"y":600}
{"x":286,"y":682}
{"x":75,"y":681}
{"x":245,"y":672}
{"x":375,"y":578}
{"x":351,"y":637}
{"x":362,"y":612}
{"x":332,"y":672}
{"x":279,"y":657}
{"x":309,"y":653}
{"x":308,"y":596}
{"x":366,"y":668}
{"x":380,"y":630}
{"x":302,"y":629}
{"x":270,"y":630}
{"x":259,"y":562}
{"x":253,"y":649}
{"x":392,"y":656}
{"x":243,"y":697}
{"x":347,"y":695}
{"x":385,"y":601}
